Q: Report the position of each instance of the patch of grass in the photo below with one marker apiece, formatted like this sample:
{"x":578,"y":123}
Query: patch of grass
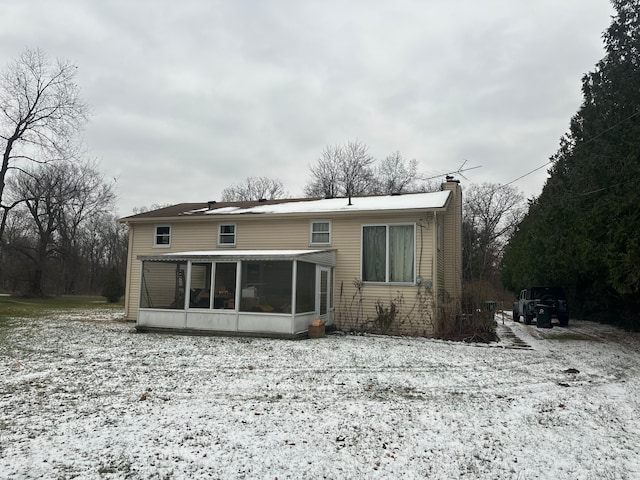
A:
{"x":33,"y":307}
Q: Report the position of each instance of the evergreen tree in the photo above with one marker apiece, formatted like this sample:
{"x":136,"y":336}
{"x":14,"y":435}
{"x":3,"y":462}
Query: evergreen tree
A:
{"x":583,"y":232}
{"x":113,"y":288}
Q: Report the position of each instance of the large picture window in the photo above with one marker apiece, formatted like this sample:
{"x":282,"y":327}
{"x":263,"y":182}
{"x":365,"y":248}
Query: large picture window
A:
{"x":388,"y":253}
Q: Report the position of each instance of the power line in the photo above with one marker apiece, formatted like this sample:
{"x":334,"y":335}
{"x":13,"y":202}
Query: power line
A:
{"x":577,"y":146}
{"x":610,"y":186}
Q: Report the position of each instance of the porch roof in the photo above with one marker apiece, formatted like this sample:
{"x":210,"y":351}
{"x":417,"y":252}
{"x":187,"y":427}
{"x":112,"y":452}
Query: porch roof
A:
{"x":322,"y":257}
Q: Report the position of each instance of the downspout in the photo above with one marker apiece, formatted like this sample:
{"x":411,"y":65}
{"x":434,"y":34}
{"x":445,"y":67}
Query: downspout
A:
{"x":434,"y":265}
{"x":127,"y":280}
{"x":187,"y":294}
{"x":238,"y":297}
{"x":294,"y":278}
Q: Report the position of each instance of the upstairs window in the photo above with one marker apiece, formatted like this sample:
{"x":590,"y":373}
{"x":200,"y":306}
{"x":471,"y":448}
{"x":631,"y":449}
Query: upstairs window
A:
{"x":162,"y":237}
{"x":227,"y":234}
{"x":388,"y":253}
{"x":321,"y":233}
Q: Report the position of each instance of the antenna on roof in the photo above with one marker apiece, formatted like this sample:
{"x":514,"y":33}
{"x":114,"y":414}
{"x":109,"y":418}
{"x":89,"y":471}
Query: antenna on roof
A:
{"x":455,"y":172}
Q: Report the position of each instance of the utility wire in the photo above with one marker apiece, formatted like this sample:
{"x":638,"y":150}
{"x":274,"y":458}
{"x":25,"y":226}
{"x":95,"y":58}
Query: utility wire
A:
{"x":610,"y":186}
{"x":586,"y":142}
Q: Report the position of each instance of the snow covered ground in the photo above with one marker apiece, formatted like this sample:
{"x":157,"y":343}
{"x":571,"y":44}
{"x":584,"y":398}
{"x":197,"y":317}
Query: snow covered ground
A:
{"x":84,"y":396}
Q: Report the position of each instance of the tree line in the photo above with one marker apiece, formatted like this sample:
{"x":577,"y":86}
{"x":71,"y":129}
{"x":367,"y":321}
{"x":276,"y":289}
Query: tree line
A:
{"x":342,"y":170}
{"x":58,"y":232}
{"x":583,"y":231}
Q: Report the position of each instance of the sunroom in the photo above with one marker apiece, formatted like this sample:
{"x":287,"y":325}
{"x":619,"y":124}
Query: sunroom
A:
{"x":268,"y":292}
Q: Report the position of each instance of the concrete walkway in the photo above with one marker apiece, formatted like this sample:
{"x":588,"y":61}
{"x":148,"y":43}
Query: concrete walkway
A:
{"x":506,"y":333}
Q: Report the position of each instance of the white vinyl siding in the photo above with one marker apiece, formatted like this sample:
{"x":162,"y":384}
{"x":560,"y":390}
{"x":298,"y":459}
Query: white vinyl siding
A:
{"x":294,"y":233}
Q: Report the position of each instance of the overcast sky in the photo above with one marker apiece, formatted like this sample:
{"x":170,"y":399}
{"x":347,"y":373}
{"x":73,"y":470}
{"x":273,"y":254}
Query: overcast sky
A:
{"x":190,"y":96}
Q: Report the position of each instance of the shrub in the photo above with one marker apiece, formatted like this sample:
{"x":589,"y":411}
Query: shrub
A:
{"x":113,"y":288}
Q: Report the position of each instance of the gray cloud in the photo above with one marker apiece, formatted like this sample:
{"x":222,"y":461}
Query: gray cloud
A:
{"x":191,"y":96}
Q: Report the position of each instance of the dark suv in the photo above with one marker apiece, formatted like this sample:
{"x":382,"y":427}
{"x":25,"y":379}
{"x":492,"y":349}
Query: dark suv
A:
{"x":553,"y":297}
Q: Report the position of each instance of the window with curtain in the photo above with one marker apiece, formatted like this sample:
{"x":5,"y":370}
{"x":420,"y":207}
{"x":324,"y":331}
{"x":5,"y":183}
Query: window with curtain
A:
{"x":388,"y":253}
{"x":321,"y":233}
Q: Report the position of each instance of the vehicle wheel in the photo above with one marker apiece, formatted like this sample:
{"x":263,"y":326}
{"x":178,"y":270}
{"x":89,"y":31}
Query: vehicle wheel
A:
{"x":563,"y":321}
{"x":515,"y":316}
{"x":548,"y":300}
{"x":528,"y":319}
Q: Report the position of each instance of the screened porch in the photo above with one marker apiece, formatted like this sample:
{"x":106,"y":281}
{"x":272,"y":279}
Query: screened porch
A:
{"x":251,"y":292}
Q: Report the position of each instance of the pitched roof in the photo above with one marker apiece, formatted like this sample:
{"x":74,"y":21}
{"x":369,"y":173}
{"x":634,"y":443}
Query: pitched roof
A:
{"x":409,"y":201}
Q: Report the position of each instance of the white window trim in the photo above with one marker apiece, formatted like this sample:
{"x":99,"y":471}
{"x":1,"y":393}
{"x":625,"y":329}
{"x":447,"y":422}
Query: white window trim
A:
{"x":387,"y":273}
{"x":155,"y":236}
{"x":311,"y":232}
{"x":235,"y":235}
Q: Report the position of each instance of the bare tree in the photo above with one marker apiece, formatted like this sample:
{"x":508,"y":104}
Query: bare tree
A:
{"x":254,"y":188}
{"x":355,"y":169}
{"x":85,"y":195}
{"x":58,"y":199}
{"x":490,"y":214}
{"x":154,"y":206}
{"x":40,"y":113}
{"x":342,"y":170}
{"x":325,"y":174}
{"x":395,"y":174}
{"x":104,"y":245}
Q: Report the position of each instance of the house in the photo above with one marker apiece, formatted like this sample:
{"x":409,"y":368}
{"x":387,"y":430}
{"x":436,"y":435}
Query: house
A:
{"x":388,"y":264}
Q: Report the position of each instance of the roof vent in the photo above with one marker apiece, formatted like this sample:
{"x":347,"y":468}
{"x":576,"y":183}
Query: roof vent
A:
{"x":210,"y":204}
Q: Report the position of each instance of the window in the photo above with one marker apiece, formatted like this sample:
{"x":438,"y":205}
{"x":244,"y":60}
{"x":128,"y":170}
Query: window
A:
{"x":388,"y":253}
{"x":227,"y":234}
{"x":162,"y":237}
{"x":321,"y":233}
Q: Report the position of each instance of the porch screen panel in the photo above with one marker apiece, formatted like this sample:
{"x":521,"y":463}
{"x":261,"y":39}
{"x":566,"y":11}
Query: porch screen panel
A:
{"x":266,"y":286}
{"x":224,"y":296}
{"x":200,"y":293}
{"x":401,"y":253}
{"x":324,"y":286}
{"x":305,"y":287}
{"x":163,"y":285}
{"x":374,"y":253}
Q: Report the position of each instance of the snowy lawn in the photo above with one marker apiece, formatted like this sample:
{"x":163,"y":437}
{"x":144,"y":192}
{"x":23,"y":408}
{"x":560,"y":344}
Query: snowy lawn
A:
{"x":84,"y":396}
